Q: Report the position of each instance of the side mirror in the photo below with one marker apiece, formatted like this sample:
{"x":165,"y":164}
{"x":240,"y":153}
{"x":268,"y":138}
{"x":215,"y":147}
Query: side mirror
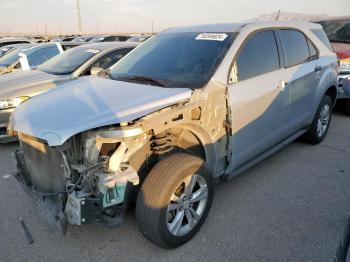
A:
{"x":95,"y":70}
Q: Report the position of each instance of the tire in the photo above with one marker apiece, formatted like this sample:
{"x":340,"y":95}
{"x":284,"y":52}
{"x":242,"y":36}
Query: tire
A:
{"x":321,"y":122}
{"x":347,"y":106}
{"x":166,"y":182}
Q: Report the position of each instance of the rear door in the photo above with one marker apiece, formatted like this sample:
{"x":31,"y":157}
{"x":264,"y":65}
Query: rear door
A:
{"x":258,"y":98}
{"x":305,"y":71}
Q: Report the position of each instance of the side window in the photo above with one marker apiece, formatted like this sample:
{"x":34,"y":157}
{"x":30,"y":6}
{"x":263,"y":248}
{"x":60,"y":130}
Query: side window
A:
{"x":258,"y":56}
{"x":109,"y":39}
{"x":108,"y":60}
{"x":296,"y":47}
{"x":42,"y":55}
{"x":312,"y":49}
{"x":323,"y":37}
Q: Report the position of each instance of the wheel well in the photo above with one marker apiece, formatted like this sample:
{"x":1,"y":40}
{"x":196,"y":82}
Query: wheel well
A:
{"x":332,"y":93}
{"x":168,"y":142}
{"x":185,"y":140}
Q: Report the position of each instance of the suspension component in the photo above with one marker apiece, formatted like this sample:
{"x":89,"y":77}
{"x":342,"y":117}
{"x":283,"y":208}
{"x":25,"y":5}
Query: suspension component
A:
{"x":162,"y":143}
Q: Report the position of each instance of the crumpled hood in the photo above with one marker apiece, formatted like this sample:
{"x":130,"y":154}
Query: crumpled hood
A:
{"x":27,"y":83}
{"x":88,"y":103}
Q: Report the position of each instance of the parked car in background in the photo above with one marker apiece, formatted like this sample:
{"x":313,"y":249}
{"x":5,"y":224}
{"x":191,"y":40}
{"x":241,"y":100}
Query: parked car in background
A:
{"x":189,"y":105}
{"x":7,"y":48}
{"x":109,"y":38}
{"x":39,"y":39}
{"x":338,"y":32}
{"x":139,"y":38}
{"x":63,"y":39}
{"x":84,"y":60}
{"x":84,"y":38}
{"x":69,"y":45}
{"x":13,"y":40}
{"x":28,"y":57}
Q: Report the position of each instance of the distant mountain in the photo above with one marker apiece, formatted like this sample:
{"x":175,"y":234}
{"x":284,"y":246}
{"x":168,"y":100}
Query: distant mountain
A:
{"x":287,"y":16}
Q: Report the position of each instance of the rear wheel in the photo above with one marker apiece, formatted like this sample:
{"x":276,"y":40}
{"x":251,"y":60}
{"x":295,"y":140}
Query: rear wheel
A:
{"x":320,"y":125}
{"x":174,"y":200}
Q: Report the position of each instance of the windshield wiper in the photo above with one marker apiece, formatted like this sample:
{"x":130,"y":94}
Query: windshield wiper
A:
{"x":140,"y":79}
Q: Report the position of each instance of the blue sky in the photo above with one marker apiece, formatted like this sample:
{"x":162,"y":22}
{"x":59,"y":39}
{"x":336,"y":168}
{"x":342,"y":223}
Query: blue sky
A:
{"x":137,"y":15}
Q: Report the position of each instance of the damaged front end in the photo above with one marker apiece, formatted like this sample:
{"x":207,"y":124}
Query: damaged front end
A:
{"x":86,"y":180}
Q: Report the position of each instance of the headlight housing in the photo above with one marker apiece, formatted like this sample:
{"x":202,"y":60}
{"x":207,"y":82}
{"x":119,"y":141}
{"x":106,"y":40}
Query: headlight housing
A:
{"x":344,"y":65}
{"x":11,"y":103}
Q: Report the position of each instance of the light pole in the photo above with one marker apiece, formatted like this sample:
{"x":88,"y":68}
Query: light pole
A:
{"x":79,"y":18}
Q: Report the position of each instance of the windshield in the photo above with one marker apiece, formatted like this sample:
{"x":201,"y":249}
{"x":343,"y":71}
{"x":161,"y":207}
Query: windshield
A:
{"x":175,"y":59}
{"x":337,"y":31}
{"x":68,"y":61}
{"x":97,"y":39}
{"x":138,"y":39}
{"x":4,"y":50}
{"x":10,"y":57}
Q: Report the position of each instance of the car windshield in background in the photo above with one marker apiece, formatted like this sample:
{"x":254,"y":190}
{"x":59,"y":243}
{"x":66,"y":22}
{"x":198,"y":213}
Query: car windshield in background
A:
{"x":68,"y":61}
{"x":138,"y":39}
{"x":337,"y":31}
{"x":4,"y":50}
{"x":10,"y":57}
{"x":175,"y":60}
{"x":97,"y":39}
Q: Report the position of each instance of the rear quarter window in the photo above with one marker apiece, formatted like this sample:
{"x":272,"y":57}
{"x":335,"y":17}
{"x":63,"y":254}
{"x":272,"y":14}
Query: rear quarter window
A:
{"x":323,"y":37}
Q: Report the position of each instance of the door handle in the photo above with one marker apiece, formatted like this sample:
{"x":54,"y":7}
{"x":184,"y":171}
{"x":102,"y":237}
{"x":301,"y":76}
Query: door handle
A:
{"x":318,"y":68}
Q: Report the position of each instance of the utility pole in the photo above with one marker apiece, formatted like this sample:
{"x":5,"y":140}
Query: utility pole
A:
{"x":152,"y":26}
{"x":45,"y":30}
{"x":79,"y":18}
{"x":97,"y":27}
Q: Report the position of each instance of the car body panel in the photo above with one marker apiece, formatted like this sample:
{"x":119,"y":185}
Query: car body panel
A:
{"x":258,"y":105}
{"x":27,"y":83}
{"x":90,"y":102}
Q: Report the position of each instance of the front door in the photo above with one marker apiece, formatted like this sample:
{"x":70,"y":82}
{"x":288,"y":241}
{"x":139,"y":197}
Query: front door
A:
{"x":259,"y":97}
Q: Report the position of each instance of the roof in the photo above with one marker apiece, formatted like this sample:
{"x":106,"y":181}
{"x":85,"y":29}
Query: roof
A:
{"x":236,"y":27}
{"x":333,"y":18}
{"x":13,"y":39}
{"x":17,"y":45}
{"x":213,"y":28}
{"x":107,"y":45}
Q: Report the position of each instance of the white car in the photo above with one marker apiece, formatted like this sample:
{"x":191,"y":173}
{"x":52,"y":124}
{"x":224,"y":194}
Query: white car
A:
{"x":188,"y":105}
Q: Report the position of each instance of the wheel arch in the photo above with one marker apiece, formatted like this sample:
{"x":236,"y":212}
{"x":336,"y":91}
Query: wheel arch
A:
{"x":332,"y":92}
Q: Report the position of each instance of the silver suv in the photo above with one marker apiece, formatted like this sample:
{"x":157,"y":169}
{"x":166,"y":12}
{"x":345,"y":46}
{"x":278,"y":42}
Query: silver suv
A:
{"x":189,"y":105}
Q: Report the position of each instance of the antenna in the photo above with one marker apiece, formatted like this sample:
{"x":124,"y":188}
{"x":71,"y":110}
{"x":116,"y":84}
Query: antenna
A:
{"x":278,"y":14}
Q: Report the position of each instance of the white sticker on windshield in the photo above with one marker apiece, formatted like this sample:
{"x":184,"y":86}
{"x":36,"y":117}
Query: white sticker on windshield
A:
{"x":212,"y":36}
{"x":95,"y":51}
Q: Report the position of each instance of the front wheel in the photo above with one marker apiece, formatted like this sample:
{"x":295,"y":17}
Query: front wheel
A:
{"x":174,"y":200}
{"x":320,"y":124}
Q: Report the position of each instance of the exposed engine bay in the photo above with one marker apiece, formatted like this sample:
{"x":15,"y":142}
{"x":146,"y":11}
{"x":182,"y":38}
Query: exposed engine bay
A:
{"x":88,"y":182}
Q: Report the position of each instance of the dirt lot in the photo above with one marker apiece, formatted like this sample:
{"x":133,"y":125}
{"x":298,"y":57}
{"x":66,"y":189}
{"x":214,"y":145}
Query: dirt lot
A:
{"x":291,"y":207}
